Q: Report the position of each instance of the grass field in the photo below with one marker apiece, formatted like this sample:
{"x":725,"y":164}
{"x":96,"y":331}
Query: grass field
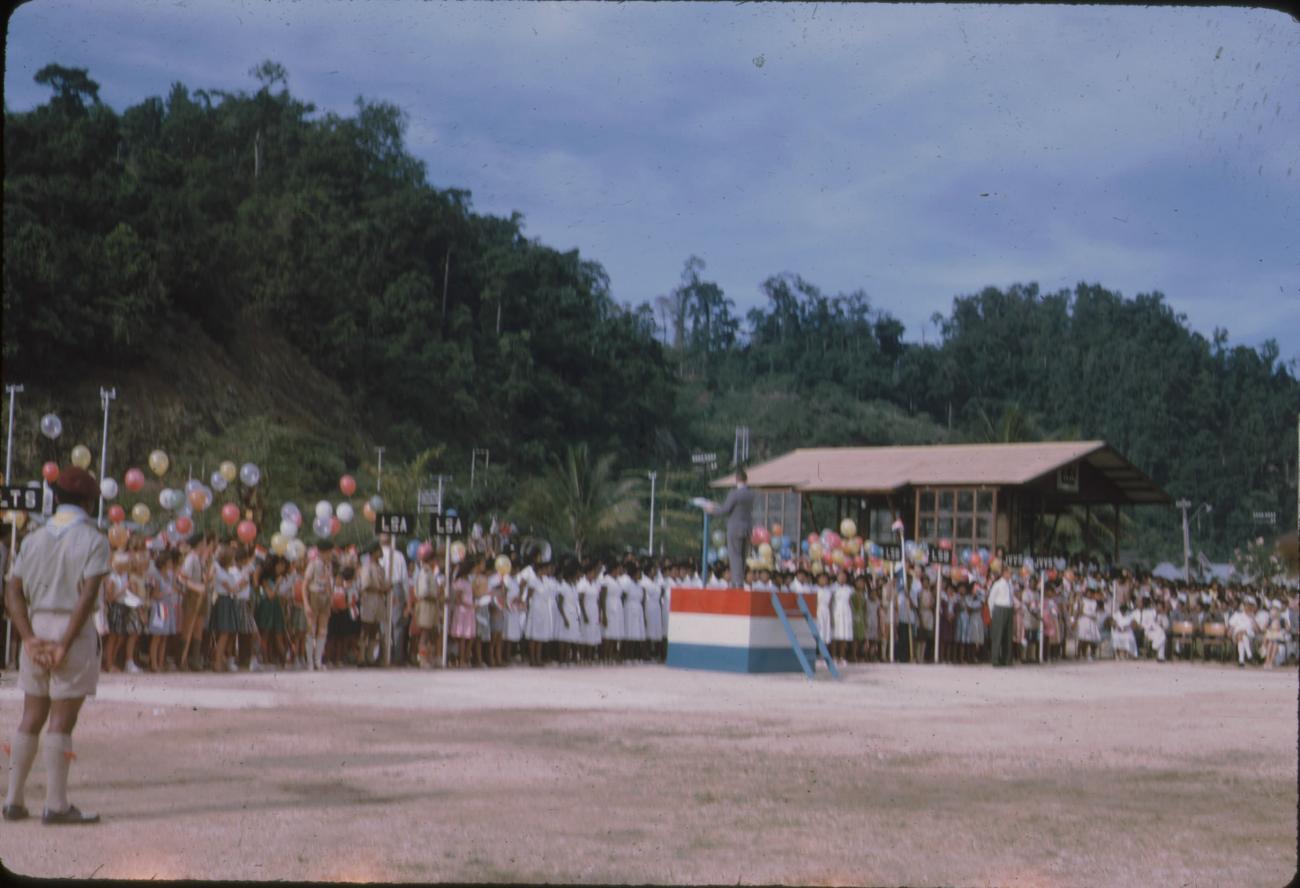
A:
{"x":1078,"y":774}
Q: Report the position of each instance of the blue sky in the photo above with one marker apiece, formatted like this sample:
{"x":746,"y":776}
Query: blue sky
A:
{"x":915,"y":152}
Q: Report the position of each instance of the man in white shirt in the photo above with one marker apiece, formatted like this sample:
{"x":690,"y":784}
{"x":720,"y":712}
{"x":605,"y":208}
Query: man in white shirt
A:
{"x":1242,"y":627}
{"x":1002,"y":609}
{"x":398,"y":577}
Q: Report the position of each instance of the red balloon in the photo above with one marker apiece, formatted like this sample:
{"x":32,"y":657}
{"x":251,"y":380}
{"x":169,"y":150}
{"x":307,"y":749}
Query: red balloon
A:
{"x":247,"y":530}
{"x":134,"y":480}
{"x":184,"y":525}
{"x":230,"y":514}
{"x":50,"y":472}
{"x":116,"y":514}
{"x":197,"y":500}
{"x":760,"y":536}
{"x":335,"y":526}
{"x":348,"y":485}
{"x":859,"y":562}
{"x":813,"y":539}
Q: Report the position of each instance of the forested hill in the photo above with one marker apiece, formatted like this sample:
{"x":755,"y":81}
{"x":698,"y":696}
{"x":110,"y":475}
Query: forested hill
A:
{"x":257,"y":269}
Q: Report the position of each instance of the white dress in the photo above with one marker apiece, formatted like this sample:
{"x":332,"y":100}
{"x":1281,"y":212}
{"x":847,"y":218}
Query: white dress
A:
{"x":842,"y":613}
{"x":666,"y":602}
{"x":571,"y":633}
{"x":514,"y":611}
{"x":633,"y":609}
{"x":654,"y":613}
{"x":613,"y":628}
{"x":1121,"y":636}
{"x":824,"y":594}
{"x":553,"y":592}
{"x":589,"y":595}
{"x":540,"y":626}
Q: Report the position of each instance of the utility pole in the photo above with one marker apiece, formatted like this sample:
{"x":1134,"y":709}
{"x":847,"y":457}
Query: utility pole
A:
{"x":473,"y":460}
{"x":1187,"y":541}
{"x":105,"y":395}
{"x":379,"y":473}
{"x":14,"y":391}
{"x":740,"y":447}
{"x":653,"y":475}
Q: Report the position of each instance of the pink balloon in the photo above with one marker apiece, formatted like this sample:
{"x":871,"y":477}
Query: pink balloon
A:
{"x":247,"y":531}
{"x":348,"y":485}
{"x":230,"y":514}
{"x":760,"y":536}
{"x":134,"y":480}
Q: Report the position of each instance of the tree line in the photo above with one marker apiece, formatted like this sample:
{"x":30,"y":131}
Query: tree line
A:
{"x":451,"y":329}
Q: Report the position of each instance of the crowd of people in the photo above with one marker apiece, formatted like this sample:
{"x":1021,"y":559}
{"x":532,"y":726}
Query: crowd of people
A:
{"x":203,"y":603}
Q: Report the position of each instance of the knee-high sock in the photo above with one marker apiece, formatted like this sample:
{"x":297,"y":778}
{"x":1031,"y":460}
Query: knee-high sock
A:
{"x":58,"y":759}
{"x":1243,"y":650}
{"x":320,"y":648}
{"x":22,"y":754}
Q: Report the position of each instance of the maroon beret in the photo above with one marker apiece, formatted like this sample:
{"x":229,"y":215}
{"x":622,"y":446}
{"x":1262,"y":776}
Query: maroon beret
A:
{"x":77,"y":483}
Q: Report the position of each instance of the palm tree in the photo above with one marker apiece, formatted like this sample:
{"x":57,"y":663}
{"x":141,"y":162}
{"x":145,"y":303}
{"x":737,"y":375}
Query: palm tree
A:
{"x":579,"y":502}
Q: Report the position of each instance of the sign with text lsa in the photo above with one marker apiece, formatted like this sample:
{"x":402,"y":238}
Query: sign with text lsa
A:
{"x":447,"y":527}
{"x":395,"y":523}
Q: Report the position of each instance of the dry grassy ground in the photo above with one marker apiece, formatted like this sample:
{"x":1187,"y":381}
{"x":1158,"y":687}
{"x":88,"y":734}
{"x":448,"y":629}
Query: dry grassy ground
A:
{"x":1096,"y":774}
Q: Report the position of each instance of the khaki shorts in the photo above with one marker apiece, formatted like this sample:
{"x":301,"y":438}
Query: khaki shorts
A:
{"x":79,"y":674}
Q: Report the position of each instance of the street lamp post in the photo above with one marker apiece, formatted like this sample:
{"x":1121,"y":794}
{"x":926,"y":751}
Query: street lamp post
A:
{"x":379,"y":471}
{"x":1185,"y":504}
{"x":14,"y":391}
{"x":105,"y":395}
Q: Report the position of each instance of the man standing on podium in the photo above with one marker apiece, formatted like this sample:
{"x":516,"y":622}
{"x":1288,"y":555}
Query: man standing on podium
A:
{"x":739,"y":509}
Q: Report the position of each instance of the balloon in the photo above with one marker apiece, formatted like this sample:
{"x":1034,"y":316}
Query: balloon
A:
{"x":335,"y":526}
{"x":348,"y":485}
{"x":815,"y":551}
{"x":503,"y":565}
{"x":859,"y":563}
{"x":118,"y":536}
{"x":192,"y":485}
{"x":838,"y":557}
{"x":719,"y":538}
{"x":816,"y":568}
{"x":140,"y":513}
{"x":804,"y":546}
{"x":247,"y":532}
{"x":368,"y":512}
{"x":250,"y":474}
{"x":51,"y":426}
{"x":324,"y":509}
{"x":134,"y":479}
{"x":412,"y":549}
{"x":813,"y":539}
{"x":50,"y":472}
{"x":377,"y":503}
{"x":17,"y":519}
{"x":975,"y":559}
{"x":777,"y":529}
{"x":184,"y":526}
{"x":759,"y":536}
{"x":116,"y":514}
{"x":174,"y":499}
{"x":288,"y":529}
{"x":108,"y":488}
{"x":945,"y":544}
{"x":765,"y":551}
{"x":457,"y":552}
{"x":196,"y":499}
{"x":159,"y":463}
{"x":848,"y":528}
{"x":228,"y":471}
{"x":230,"y":514}
{"x":218,"y":481}
{"x":295,"y":550}
{"x":995,"y":566}
{"x":321,"y":526}
{"x":853,"y":545}
{"x":81,"y":456}
{"x":278,"y":543}
{"x":425,"y":552}
{"x":345,"y":512}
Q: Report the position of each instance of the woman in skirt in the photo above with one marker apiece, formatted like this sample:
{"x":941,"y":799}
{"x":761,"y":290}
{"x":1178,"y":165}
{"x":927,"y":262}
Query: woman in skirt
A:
{"x":247,"y":623}
{"x":344,"y":630}
{"x":841,"y":618}
{"x":588,"y":589}
{"x":652,"y":592}
{"x":1088,"y":632}
{"x":541,"y":626}
{"x":973,"y":640}
{"x":478,"y":581}
{"x":115,"y":586}
{"x":611,"y":613}
{"x":428,"y":609}
{"x":268,"y":609}
{"x":223,"y":621}
{"x":633,"y":612}
{"x":165,"y":601}
{"x":858,"y":605}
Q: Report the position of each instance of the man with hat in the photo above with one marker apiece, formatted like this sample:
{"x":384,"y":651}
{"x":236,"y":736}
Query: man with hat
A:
{"x":319,"y":583}
{"x":51,"y":596}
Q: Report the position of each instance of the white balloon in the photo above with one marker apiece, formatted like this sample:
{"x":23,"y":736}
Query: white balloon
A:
{"x":51,"y":426}
{"x":290,"y":512}
{"x":185,"y":510}
{"x":377,"y":503}
{"x":289,"y":528}
{"x":321,"y":526}
{"x":324,"y":510}
{"x":218,"y":482}
{"x":250,"y":474}
{"x":192,"y":485}
{"x":295,"y":550}
{"x":108,"y":487}
{"x":345,"y":513}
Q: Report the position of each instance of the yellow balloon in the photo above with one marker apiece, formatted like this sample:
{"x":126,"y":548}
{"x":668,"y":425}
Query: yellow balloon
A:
{"x":765,"y":552}
{"x":17,"y":519}
{"x":118,"y":536}
{"x":815,"y":551}
{"x":279,"y":543}
{"x":140,"y":513}
{"x":503,"y":564}
{"x":159,"y":463}
{"x":229,"y":470}
{"x":81,"y":456}
{"x":848,"y":528}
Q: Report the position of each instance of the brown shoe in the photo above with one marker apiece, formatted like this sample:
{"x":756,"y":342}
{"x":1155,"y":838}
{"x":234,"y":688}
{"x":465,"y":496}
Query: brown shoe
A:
{"x":15,"y":812}
{"x":73,"y":815}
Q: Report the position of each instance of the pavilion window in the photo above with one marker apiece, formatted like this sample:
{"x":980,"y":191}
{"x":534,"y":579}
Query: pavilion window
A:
{"x":961,"y":514}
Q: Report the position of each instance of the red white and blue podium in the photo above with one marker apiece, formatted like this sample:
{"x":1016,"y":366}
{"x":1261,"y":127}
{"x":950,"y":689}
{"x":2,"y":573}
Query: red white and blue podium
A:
{"x":735,"y":630}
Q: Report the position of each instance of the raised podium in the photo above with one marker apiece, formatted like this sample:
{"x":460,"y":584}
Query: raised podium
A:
{"x":735,"y":630}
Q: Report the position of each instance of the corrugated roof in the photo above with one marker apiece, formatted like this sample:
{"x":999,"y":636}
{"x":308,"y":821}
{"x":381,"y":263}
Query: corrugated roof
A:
{"x":884,"y":469}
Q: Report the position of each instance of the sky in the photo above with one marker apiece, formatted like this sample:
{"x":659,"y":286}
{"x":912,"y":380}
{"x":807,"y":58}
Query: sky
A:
{"x":917,"y":153}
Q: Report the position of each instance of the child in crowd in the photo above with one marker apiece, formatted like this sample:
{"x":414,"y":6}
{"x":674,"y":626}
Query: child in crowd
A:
{"x":165,"y":603}
{"x":841,"y":613}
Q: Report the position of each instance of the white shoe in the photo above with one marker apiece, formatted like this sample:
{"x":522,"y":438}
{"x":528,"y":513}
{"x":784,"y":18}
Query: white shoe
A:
{"x":133,"y":669}
{"x":232,"y":666}
{"x":255,"y":665}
